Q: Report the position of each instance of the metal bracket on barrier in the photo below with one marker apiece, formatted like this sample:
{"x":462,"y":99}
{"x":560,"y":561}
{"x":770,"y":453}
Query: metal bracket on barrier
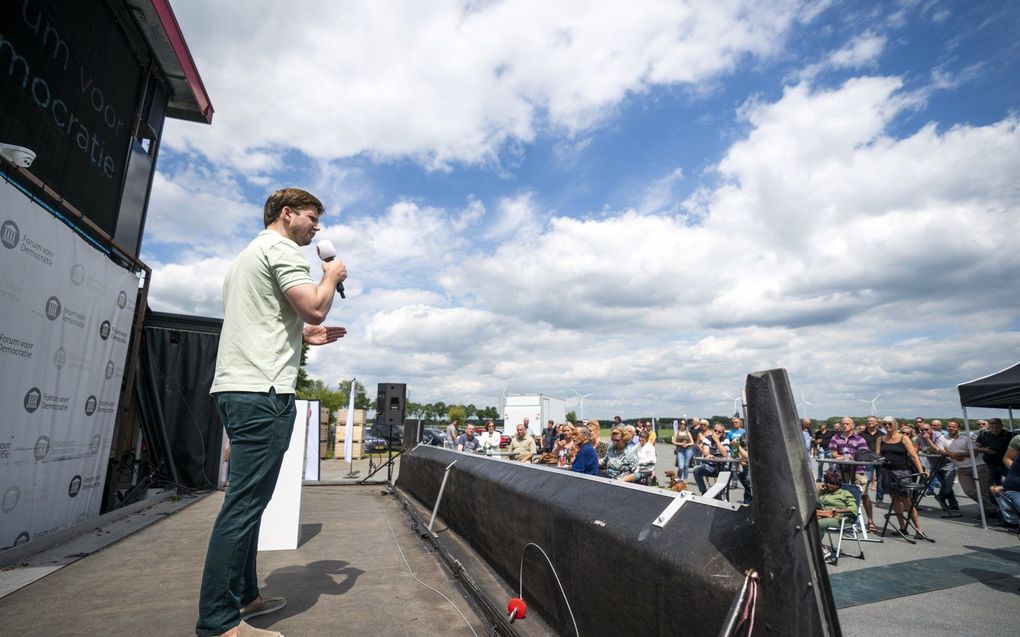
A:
{"x":439,"y":498}
{"x":667,"y":514}
{"x":722,"y":483}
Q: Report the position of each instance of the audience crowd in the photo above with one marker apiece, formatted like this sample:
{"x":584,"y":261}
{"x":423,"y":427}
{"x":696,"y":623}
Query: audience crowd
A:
{"x":902,"y":453}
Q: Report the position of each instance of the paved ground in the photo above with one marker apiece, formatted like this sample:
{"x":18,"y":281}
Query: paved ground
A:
{"x":349,"y":577}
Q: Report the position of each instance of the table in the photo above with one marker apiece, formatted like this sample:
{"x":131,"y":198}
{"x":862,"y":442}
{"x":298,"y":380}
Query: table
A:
{"x":496,"y":454}
{"x":848,"y":468}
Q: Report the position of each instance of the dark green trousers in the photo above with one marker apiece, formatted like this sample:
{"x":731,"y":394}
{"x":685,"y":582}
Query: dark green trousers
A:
{"x":259,"y":426}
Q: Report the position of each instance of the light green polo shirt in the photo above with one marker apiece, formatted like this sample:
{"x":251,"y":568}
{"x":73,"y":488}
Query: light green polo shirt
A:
{"x":260,"y":344}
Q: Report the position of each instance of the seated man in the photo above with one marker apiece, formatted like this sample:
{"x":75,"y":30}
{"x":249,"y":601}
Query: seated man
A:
{"x":714,"y":445}
{"x":522,"y":446}
{"x":468,"y":441}
{"x":585,"y":458}
{"x":1008,"y":494}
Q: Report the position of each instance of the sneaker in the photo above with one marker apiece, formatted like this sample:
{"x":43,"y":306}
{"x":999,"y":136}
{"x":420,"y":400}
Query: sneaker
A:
{"x":247,"y":630}
{"x":263,"y":606}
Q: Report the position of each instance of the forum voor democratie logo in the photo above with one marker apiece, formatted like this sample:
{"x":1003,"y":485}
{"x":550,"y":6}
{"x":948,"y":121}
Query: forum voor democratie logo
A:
{"x":9,"y":234}
{"x":77,"y":274}
{"x":60,"y":358}
{"x":110,"y":370}
{"x":94,"y":444}
{"x":104,"y":330}
{"x":42,"y":447}
{"x":122,"y":299}
{"x":74,"y":487}
{"x":90,"y":405}
{"x":52,"y":308}
{"x":10,"y":501}
{"x":33,"y":399}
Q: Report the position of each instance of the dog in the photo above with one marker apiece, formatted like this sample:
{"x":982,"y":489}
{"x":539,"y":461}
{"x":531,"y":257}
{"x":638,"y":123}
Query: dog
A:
{"x":675,"y":484}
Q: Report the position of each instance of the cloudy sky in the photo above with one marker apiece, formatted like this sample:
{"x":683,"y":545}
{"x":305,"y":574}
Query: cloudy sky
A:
{"x":641,"y":201}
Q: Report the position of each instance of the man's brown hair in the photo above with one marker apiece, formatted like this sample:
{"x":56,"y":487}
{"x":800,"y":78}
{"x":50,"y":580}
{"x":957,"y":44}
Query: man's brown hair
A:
{"x":294,"y":198}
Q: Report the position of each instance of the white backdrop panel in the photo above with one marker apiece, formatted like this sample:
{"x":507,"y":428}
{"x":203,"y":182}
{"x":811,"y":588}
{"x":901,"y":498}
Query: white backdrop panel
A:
{"x":66,"y":312}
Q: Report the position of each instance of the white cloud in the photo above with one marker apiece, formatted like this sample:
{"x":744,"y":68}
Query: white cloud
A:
{"x":862,"y":51}
{"x":447,"y":81}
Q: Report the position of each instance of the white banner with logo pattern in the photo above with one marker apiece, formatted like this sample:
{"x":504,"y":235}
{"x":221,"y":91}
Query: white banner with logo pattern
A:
{"x":65,"y":315}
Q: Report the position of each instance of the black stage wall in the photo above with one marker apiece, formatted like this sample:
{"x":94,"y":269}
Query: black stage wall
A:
{"x":177,"y":361}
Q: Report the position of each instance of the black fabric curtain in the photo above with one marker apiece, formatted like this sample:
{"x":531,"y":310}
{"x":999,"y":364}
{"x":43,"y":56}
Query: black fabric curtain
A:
{"x":177,"y":360}
{"x":998,"y":391}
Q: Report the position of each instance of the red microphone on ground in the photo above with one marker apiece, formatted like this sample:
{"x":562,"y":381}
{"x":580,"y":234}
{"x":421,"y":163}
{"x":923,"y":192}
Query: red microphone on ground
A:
{"x":327,"y":253}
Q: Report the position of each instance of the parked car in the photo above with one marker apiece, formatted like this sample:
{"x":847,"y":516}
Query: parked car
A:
{"x":433,"y":436}
{"x":374,"y":444}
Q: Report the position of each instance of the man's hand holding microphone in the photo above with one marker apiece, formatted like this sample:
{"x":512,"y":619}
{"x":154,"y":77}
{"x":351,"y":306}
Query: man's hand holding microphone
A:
{"x":333,"y":274}
{"x":331,"y":265}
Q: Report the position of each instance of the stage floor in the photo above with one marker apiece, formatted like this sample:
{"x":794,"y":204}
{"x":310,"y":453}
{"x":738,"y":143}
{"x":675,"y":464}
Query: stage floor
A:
{"x":346,"y":578}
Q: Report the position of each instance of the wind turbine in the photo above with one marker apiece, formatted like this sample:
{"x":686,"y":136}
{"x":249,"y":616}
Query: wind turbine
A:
{"x":804,"y":401}
{"x":582,"y":397}
{"x":736,"y":402}
{"x":874,"y":408}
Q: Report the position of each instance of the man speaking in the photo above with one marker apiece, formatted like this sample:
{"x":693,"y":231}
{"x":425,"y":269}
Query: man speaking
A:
{"x":268,"y":298}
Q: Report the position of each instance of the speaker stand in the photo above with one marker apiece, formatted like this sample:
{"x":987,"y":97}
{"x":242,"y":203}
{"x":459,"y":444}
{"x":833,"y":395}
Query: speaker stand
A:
{"x":391,"y":456}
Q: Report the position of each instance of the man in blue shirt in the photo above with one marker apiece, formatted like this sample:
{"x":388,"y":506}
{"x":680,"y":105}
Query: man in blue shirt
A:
{"x":585,"y":459}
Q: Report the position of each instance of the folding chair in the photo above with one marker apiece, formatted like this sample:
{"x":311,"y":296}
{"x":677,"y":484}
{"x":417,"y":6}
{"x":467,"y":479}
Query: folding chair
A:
{"x":915,"y":485}
{"x":852,"y":525}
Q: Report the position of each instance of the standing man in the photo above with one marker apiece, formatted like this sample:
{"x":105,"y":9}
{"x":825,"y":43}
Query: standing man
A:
{"x":844,"y":446}
{"x":268,"y":298}
{"x":822,"y":438}
{"x":872,"y":432}
{"x":451,"y":434}
{"x":959,"y":450}
{"x":933,"y":443}
{"x":548,"y":435}
{"x":993,"y":442}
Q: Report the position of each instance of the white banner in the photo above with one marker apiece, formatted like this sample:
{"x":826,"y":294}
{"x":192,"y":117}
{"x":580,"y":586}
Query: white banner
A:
{"x":312,"y":441}
{"x":349,"y":427}
{"x":66,"y":313}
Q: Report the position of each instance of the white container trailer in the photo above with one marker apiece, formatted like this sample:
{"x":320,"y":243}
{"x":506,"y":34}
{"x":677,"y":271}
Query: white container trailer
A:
{"x":537,"y":408}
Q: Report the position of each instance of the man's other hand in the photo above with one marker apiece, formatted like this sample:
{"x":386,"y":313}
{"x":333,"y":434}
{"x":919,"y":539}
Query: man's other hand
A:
{"x":322,"y":334}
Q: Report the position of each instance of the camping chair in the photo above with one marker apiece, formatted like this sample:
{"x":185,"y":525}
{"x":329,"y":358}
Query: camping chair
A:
{"x":850,"y":527}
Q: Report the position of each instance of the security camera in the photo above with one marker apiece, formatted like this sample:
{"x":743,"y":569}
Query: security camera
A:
{"x":17,"y":155}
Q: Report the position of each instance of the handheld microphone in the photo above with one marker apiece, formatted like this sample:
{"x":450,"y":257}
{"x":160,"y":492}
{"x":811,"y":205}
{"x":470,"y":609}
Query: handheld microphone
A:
{"x":327,"y":253}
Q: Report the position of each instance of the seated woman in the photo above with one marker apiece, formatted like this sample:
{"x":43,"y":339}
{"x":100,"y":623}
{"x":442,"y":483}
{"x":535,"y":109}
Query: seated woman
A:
{"x":489,"y":440}
{"x":621,"y":462}
{"x":833,"y":501}
{"x":564,"y":446}
{"x":601,"y":446}
{"x":646,"y":458}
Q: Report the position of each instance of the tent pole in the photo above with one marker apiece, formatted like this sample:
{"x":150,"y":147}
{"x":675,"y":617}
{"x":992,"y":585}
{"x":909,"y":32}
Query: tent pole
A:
{"x":973,"y":470}
{"x":1011,"y":430}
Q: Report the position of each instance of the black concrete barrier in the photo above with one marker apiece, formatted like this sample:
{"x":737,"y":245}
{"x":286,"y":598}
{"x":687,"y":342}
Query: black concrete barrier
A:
{"x":622,"y":574}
